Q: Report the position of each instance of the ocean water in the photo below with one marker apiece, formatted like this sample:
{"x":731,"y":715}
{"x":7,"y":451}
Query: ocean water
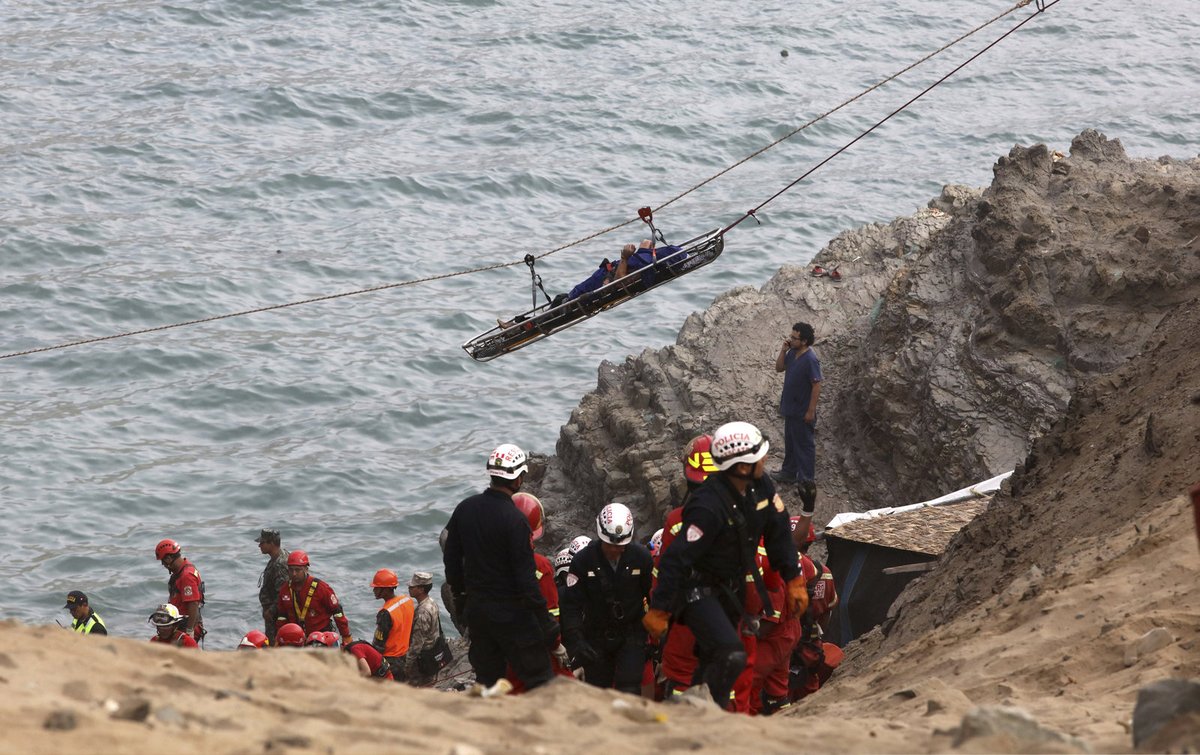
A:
{"x":161,"y":162}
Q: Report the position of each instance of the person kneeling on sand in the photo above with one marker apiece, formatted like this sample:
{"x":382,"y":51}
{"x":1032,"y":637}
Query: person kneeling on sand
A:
{"x":169,"y":626}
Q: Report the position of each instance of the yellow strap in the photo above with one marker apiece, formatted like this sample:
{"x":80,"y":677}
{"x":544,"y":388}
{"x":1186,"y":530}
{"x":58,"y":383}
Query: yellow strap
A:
{"x":312,"y":588}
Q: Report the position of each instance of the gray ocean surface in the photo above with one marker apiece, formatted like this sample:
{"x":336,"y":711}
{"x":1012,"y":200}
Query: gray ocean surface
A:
{"x":162,"y":162}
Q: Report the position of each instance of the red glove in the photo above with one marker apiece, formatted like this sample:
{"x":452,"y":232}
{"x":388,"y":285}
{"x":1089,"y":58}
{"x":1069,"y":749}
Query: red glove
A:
{"x":797,"y":595}
{"x":656,"y":622}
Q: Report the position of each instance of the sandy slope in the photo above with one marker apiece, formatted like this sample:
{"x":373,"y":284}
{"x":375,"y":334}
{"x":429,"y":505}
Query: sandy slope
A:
{"x":1107,"y":529}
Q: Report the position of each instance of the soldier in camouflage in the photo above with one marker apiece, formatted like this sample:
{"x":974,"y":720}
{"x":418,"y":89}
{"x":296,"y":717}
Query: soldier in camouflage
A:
{"x":273,"y":578}
{"x":427,"y":626}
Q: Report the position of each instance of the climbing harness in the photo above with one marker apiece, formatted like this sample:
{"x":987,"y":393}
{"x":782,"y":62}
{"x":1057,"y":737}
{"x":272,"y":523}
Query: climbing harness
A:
{"x":696,"y":253}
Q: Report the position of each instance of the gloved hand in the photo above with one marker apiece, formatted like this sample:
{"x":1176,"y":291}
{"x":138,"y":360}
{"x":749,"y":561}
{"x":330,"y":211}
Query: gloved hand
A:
{"x":550,"y":629}
{"x":807,"y":490}
{"x":585,"y":654}
{"x":562,"y":656}
{"x":346,"y":640}
{"x":656,"y":622}
{"x":797,"y":595}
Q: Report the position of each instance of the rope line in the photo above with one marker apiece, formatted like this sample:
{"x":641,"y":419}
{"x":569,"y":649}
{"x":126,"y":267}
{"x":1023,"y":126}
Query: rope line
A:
{"x":1042,"y":5}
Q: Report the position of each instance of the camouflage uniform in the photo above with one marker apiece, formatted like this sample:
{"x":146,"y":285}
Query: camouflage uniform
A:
{"x":273,"y":578}
{"x":427,"y":626}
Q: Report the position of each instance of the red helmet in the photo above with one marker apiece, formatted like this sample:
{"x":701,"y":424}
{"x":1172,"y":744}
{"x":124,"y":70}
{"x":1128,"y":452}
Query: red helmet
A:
{"x":297,"y":558}
{"x":253,"y":640}
{"x":385,"y":578}
{"x":812,"y":532}
{"x":166,"y":548}
{"x":290,"y":635}
{"x":697,"y":459}
{"x":323,"y":639}
{"x":531,"y":507}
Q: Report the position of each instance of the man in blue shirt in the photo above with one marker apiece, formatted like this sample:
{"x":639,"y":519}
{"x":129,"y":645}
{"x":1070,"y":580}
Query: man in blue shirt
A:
{"x":798,"y":404}
{"x":633,"y":258}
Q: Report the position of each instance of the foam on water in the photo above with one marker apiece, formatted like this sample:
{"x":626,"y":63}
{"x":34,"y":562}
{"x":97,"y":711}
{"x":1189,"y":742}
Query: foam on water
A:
{"x":163,"y":163}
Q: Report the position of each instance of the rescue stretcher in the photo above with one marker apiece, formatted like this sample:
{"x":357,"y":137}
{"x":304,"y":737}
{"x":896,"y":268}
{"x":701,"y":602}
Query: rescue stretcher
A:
{"x":546,"y":320}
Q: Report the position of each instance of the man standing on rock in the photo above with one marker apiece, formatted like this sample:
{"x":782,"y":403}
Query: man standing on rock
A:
{"x":798,"y":405}
{"x":491,"y":572}
{"x":273,"y":578}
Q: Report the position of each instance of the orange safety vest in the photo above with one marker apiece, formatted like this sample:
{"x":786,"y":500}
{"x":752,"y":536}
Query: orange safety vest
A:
{"x":401,"y":608}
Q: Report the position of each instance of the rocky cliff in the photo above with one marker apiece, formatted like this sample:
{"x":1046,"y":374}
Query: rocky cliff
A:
{"x":954,"y":338}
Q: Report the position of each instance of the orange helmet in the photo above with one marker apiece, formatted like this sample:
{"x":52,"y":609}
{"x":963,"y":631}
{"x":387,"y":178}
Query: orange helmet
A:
{"x":531,"y":507}
{"x":253,"y":640}
{"x":166,"y":548}
{"x":297,"y":558}
{"x":290,"y":635}
{"x":385,"y":578}
{"x":697,"y":459}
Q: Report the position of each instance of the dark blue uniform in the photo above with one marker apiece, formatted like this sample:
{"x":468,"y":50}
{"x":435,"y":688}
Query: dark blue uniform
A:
{"x":702,"y":573}
{"x":602,"y":613}
{"x":490,"y":569}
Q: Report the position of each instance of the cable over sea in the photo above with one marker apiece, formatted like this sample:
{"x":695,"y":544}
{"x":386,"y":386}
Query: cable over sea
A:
{"x":165,"y":163}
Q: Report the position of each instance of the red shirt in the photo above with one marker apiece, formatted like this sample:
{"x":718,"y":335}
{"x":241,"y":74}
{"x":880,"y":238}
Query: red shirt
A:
{"x":822,"y":592}
{"x":545,"y":578}
{"x":313,"y":607}
{"x":371,"y":656}
{"x":186,"y":587}
{"x":179,"y":639}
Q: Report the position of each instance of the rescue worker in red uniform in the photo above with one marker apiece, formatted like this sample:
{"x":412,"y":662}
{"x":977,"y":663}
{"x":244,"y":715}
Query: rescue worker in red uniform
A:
{"x":777,"y":638}
{"x":679,"y":647}
{"x":309,"y":602}
{"x":393,"y":623}
{"x":702,"y":573}
{"x":185,"y":589}
{"x":168,"y":625}
{"x":369,"y":660}
{"x":491,"y":571}
{"x":814,"y":659}
{"x":529,"y":505}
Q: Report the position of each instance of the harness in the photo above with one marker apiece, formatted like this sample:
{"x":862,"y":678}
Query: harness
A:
{"x":303,"y":612}
{"x":608,"y":594}
{"x":175,"y":578}
{"x":749,"y":551}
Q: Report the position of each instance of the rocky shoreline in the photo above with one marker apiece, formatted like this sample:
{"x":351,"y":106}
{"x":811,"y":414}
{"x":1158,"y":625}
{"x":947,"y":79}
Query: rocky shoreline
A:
{"x":954,"y":338}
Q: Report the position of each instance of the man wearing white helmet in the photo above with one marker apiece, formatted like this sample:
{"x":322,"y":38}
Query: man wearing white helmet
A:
{"x":702,"y":573}
{"x":491,"y":572}
{"x":607,"y":589}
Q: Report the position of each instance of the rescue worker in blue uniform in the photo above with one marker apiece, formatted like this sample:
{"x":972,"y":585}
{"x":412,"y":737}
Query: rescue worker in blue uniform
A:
{"x":703,"y":572}
{"x":491,"y":573}
{"x":608,"y":587}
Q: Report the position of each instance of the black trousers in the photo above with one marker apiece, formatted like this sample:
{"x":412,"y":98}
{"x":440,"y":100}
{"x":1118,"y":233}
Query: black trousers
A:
{"x":501,"y":638}
{"x":621,"y":663}
{"x":718,"y":646}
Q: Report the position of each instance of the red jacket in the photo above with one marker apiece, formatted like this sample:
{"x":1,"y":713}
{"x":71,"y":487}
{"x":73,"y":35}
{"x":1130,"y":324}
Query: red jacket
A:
{"x":314,"y":607}
{"x":545,"y":578}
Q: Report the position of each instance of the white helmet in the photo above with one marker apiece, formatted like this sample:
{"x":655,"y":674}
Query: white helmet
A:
{"x":656,"y":541}
{"x":165,"y":616}
{"x":578,"y":544}
{"x":738,"y":443}
{"x":614,"y":524}
{"x":507,"y":462}
{"x":562,"y":562}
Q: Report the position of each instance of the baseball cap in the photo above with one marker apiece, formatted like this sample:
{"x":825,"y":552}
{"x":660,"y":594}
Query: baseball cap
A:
{"x":267,"y":535}
{"x":74,"y":598}
{"x":421,"y":579}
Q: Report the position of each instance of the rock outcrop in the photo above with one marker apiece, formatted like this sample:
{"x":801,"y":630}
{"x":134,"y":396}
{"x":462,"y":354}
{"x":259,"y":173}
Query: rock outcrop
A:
{"x":954,"y":338}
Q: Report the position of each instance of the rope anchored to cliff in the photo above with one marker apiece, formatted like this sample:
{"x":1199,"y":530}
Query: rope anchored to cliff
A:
{"x":528,"y":259}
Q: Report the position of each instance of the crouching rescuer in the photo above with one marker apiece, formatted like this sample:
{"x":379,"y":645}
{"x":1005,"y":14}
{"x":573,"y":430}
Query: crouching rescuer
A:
{"x":703,"y":573}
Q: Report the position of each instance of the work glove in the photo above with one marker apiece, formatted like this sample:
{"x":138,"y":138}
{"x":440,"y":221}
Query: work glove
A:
{"x":807,"y":490}
{"x":585,"y":654}
{"x":562,"y":656}
{"x":550,"y":629}
{"x":346,"y":640}
{"x":797,"y":595}
{"x":656,"y":622}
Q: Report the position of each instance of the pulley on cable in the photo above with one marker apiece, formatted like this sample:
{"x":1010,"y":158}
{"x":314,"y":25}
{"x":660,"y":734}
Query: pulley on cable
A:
{"x":644,"y":270}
